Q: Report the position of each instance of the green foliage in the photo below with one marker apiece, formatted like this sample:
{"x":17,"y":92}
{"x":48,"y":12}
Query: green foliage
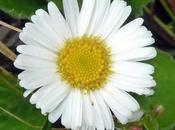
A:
{"x":21,"y":8}
{"x":150,"y":123}
{"x":59,"y":3}
{"x":137,"y":6}
{"x":25,"y":8}
{"x":16,"y":113}
{"x":164,"y":91}
{"x":47,"y":125}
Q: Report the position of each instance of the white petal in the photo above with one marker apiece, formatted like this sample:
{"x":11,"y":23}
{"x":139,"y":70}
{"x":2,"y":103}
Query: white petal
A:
{"x":39,"y":93}
{"x":106,"y":113}
{"x":23,"y":62}
{"x":87,"y":110}
{"x":84,"y":127}
{"x":115,"y":105}
{"x":136,"y":116}
{"x":135,"y":69}
{"x":97,"y":113}
{"x":27,"y":39}
{"x":141,"y":32}
{"x":121,"y":118}
{"x":123,"y":81}
{"x":43,"y":27}
{"x":52,"y":99}
{"x":125,"y":14}
{"x":59,"y":22}
{"x":36,"y":51}
{"x":129,"y":79}
{"x":85,"y":16}
{"x":128,"y":28}
{"x":124,"y":98}
{"x":138,"y":90}
{"x":130,"y":36}
{"x":140,"y":54}
{"x":71,"y":11}
{"x":30,"y":35}
{"x":46,"y":94}
{"x":36,"y":74}
{"x":115,"y":19}
{"x":33,"y":83}
{"x":119,"y":46}
{"x":77,"y":110}
{"x":101,"y":6}
{"x":72,"y":116}
{"x":67,"y":112}
{"x":99,"y":27}
{"x":43,"y":21}
{"x":56,"y":114}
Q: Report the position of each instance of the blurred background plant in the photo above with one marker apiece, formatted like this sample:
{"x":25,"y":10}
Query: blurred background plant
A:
{"x":17,"y":114}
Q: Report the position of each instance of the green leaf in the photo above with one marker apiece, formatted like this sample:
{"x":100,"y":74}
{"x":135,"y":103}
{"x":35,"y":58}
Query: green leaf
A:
{"x":137,"y":6}
{"x":26,"y":8}
{"x":59,"y":3}
{"x":47,"y":125}
{"x":150,"y":123}
{"x":21,"y":8}
{"x":164,"y":91}
{"x":16,"y":113}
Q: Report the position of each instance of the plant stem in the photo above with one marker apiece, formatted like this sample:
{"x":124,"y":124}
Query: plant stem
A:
{"x":168,"y":10}
{"x":7,"y":52}
{"x":160,"y":23}
{"x":10,"y":26}
{"x":3,"y":75}
{"x":59,"y":129}
{"x":19,"y":119}
{"x":47,"y":125}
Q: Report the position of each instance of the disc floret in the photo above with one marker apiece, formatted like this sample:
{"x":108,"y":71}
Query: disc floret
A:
{"x":84,"y":62}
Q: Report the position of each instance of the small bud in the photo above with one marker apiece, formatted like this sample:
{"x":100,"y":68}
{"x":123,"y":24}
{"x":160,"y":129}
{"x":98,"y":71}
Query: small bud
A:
{"x":135,"y":128}
{"x":158,"y":110}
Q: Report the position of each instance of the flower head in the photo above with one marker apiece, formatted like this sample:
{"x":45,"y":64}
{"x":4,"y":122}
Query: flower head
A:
{"x":81,"y":67}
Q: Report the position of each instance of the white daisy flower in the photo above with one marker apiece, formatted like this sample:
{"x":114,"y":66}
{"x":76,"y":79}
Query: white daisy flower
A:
{"x":81,"y":67}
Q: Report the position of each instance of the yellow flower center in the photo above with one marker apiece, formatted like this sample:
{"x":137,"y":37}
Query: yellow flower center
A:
{"x":84,"y":62}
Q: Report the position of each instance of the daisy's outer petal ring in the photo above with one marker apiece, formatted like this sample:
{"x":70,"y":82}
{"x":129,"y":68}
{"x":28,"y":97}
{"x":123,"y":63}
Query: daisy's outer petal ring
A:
{"x":48,"y":31}
{"x":140,"y":54}
{"x":113,"y":19}
{"x":87,"y":111}
{"x":135,"y":69}
{"x":101,"y":7}
{"x":124,"y":100}
{"x":36,"y":51}
{"x":141,"y":86}
{"x":99,"y":123}
{"x":128,"y":28}
{"x":48,"y":103}
{"x":105,"y":112}
{"x":59,"y":22}
{"x":71,"y":11}
{"x":72,"y":114}
{"x":128,"y":38}
{"x":85,"y":16}
{"x":56,"y":114}
{"x":126,"y":51}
